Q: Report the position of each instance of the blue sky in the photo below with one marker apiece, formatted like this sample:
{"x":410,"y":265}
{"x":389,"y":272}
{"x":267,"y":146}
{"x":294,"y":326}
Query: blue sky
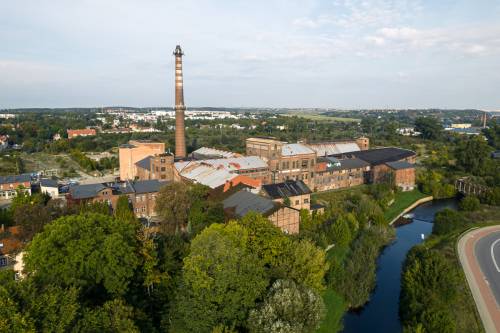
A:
{"x":276,"y":53}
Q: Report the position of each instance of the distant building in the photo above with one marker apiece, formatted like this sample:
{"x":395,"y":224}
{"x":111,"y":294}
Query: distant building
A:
{"x":73,"y":133}
{"x":461,"y":125}
{"x":9,"y":185}
{"x":4,"y":142}
{"x":56,"y":137}
{"x":243,"y":202}
{"x":142,"y":195}
{"x":133,"y":152}
{"x":50,"y":187}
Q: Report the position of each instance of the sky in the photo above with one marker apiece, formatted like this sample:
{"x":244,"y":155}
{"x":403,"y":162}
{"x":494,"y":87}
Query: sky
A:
{"x":256,"y":53}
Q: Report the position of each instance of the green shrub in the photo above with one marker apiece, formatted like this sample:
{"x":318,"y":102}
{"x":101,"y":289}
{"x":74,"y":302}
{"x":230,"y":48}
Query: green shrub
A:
{"x":469,"y":203}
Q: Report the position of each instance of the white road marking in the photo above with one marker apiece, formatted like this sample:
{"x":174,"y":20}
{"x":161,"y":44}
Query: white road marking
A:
{"x":493,"y":255}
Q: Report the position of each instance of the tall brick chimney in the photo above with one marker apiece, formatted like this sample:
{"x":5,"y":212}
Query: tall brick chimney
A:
{"x":180,"y":136}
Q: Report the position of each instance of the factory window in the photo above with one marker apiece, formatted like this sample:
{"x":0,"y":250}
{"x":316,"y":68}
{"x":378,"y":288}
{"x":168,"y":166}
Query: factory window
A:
{"x":306,"y":201}
{"x":162,"y":160}
{"x":297,"y":202}
{"x":163,"y":168}
{"x":305,"y":163}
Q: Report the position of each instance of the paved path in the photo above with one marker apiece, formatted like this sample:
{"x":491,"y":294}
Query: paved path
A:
{"x":479,"y":256}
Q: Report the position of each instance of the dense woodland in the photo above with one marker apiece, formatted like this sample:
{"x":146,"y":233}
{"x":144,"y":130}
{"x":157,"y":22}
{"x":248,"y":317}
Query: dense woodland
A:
{"x":89,"y":269}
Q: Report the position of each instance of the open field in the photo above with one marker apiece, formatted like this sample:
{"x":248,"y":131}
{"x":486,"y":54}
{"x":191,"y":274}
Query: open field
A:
{"x":320,"y":117}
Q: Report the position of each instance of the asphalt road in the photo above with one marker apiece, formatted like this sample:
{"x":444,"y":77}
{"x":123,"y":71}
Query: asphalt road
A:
{"x":487,"y":252}
{"x":479,"y":254}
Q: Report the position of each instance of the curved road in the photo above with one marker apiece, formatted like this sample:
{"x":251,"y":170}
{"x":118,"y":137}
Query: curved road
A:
{"x":479,"y":252}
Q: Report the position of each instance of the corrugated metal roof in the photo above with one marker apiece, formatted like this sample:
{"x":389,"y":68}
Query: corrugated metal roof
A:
{"x":334,"y":148}
{"x":237,"y":163}
{"x":295,"y":149}
{"x":209,"y":176}
{"x":212,"y":152}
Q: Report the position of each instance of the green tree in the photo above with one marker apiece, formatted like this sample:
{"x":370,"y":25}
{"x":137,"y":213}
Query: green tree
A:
{"x":222,"y":280}
{"x":94,"y":252}
{"x":11,"y":319}
{"x":446,"y":221}
{"x":472,"y":154}
{"x":430,"y":127}
{"x":469,"y":203}
{"x":341,"y":232}
{"x":305,"y":263}
{"x":173,"y":204}
{"x":123,"y":210}
{"x":113,"y":317}
{"x":288,"y":308}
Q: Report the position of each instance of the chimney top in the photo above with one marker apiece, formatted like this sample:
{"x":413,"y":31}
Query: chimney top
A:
{"x":178,"y":51}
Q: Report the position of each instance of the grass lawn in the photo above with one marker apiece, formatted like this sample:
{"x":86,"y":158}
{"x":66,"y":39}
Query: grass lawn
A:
{"x":333,"y":196}
{"x":335,"y":309}
{"x":402,"y":201}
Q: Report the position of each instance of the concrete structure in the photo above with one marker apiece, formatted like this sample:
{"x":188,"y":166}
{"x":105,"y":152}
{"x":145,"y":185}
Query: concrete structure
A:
{"x":73,"y":133}
{"x":332,"y":173}
{"x":9,"y":185}
{"x":180,"y":136}
{"x":135,"y":151}
{"x":50,"y":187}
{"x":296,"y":192}
{"x":142,"y":195}
{"x":243,"y":202}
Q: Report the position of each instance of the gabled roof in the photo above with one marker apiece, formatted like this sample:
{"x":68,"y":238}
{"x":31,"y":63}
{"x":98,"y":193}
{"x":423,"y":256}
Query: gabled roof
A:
{"x":244,"y":202}
{"x":145,"y":163}
{"x":86,"y":191}
{"x":400,"y":165}
{"x":46,"y":182}
{"x":147,"y":186}
{"x":25,"y":177}
{"x":383,"y":155}
{"x":287,"y":189}
{"x":292,"y":149}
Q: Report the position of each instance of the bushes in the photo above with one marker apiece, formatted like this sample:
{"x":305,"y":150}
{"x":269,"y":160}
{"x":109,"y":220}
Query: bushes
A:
{"x":469,"y":203}
{"x":447,"y":221}
{"x":354,"y":279}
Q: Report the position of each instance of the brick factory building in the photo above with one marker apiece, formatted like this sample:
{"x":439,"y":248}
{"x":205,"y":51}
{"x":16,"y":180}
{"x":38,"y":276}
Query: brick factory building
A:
{"x":156,"y":167}
{"x":142,"y":195}
{"x":332,"y":173}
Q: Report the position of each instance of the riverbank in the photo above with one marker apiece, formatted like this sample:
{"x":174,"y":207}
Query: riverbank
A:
{"x":405,"y":202}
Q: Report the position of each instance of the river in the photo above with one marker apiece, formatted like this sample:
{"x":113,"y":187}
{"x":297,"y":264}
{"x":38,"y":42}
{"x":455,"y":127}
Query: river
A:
{"x":380,"y":315}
